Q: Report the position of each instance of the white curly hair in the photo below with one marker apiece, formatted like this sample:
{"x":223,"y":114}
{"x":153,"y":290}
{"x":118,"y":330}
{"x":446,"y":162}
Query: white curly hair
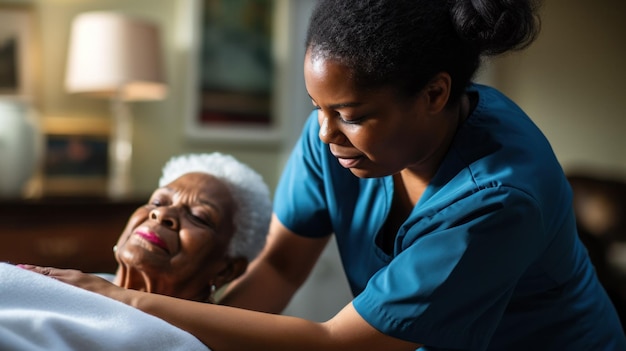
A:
{"x":251,"y":195}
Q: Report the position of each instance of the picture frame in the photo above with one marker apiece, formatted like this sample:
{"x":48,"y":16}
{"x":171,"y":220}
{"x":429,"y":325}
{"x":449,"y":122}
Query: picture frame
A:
{"x":76,"y":158}
{"x":17,"y":50}
{"x":231,"y":71}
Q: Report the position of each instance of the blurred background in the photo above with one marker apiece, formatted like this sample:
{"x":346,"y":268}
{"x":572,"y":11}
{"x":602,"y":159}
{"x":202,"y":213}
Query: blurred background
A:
{"x":570,"y":81}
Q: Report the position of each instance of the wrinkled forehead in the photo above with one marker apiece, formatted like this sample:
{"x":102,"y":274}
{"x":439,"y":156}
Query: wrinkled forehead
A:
{"x":199,"y":184}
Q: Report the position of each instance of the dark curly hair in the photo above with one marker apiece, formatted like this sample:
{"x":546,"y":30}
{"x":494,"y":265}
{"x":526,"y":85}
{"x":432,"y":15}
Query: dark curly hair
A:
{"x":404,"y":43}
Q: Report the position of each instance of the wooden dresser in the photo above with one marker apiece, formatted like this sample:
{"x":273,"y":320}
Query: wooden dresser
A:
{"x":63,"y":232}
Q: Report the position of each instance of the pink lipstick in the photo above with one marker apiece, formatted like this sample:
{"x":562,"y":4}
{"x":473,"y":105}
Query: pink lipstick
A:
{"x":153,"y":238}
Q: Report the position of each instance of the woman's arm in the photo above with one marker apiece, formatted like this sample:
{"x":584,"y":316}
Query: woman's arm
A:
{"x":224,"y":328}
{"x":268,"y":286}
{"x":278,"y":272}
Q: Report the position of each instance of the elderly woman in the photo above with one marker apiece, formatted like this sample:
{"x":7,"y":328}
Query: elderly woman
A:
{"x":199,"y":230}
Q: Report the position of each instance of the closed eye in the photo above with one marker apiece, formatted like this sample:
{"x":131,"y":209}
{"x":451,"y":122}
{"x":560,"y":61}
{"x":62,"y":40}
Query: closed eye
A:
{"x":342,"y":118}
{"x":201,"y":217}
{"x":202,"y":221}
{"x":161,"y":197}
{"x":351,"y":120}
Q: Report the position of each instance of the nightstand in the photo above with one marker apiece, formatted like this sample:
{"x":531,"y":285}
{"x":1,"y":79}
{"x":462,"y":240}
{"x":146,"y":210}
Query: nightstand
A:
{"x":74,"y":233}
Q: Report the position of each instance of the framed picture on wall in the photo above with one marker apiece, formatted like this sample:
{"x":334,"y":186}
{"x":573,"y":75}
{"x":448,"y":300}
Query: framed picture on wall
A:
{"x":76,"y":157}
{"x":232,"y":71}
{"x":16,"y":50}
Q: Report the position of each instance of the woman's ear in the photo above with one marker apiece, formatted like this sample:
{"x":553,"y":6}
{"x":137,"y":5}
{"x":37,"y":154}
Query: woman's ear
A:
{"x":437,"y":92}
{"x":233,"y":269}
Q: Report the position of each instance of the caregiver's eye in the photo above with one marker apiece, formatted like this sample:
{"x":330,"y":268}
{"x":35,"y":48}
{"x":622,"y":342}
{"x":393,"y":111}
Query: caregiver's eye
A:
{"x":350,"y":120}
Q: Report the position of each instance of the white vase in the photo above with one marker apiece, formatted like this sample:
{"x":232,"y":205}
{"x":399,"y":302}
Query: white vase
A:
{"x":21,"y":146}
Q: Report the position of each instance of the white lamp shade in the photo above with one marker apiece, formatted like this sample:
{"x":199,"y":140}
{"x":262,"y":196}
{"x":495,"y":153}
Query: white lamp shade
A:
{"x":115,"y":55}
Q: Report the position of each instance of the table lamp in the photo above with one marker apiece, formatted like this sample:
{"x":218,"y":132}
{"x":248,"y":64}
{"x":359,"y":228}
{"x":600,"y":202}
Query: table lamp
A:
{"x":118,"y":57}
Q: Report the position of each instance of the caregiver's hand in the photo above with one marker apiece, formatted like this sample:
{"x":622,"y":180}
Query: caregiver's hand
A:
{"x":77,"y":278}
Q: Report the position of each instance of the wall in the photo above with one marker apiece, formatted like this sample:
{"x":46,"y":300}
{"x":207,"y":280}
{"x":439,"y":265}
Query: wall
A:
{"x":159,"y":127}
{"x":571,"y":82}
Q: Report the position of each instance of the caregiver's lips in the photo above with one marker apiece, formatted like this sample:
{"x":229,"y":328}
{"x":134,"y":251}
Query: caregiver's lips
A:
{"x":349,"y":162}
{"x":154,"y":239}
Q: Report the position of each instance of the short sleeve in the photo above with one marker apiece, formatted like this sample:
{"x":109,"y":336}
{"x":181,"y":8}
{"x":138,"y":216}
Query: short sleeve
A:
{"x":457,"y":269}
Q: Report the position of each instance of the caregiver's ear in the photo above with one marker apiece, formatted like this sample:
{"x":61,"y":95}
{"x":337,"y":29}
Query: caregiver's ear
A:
{"x":233,"y":269}
{"x":437,"y":91}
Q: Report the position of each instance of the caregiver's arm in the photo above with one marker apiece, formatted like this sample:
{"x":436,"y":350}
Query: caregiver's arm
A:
{"x":224,"y":328}
{"x":227,"y":328}
{"x":280,"y":269}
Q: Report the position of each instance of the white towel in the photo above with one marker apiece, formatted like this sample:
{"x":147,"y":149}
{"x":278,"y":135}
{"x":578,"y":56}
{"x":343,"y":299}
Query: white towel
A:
{"x":40,"y":313}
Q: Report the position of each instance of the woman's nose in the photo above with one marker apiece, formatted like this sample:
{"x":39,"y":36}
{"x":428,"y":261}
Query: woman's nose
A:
{"x":328,"y":130}
{"x":165,"y":216}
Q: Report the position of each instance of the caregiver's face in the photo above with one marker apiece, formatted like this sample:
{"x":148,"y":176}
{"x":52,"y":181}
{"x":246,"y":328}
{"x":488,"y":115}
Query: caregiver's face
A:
{"x":372,"y":132}
{"x":179,"y":240}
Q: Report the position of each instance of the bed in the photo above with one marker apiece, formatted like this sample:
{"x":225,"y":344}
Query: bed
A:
{"x":40,"y":313}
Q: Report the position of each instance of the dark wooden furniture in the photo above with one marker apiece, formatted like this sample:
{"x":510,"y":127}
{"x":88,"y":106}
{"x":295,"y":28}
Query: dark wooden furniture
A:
{"x":63,"y":232}
{"x":600,"y":206}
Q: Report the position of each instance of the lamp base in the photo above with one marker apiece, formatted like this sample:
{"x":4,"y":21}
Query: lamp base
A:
{"x":120,"y":150}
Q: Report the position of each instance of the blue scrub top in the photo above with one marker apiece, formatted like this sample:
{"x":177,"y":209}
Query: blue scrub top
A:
{"x":489,"y":258}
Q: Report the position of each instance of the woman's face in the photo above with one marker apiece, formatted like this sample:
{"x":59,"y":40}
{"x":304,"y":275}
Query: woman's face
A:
{"x":178,"y":242}
{"x":373,"y":132}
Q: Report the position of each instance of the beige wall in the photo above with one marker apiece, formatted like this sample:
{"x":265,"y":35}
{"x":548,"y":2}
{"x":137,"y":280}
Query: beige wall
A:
{"x":158,"y":126}
{"x":571,"y":82}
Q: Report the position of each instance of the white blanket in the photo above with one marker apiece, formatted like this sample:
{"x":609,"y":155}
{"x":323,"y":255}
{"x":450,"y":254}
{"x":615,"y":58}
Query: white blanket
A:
{"x":40,"y":313}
